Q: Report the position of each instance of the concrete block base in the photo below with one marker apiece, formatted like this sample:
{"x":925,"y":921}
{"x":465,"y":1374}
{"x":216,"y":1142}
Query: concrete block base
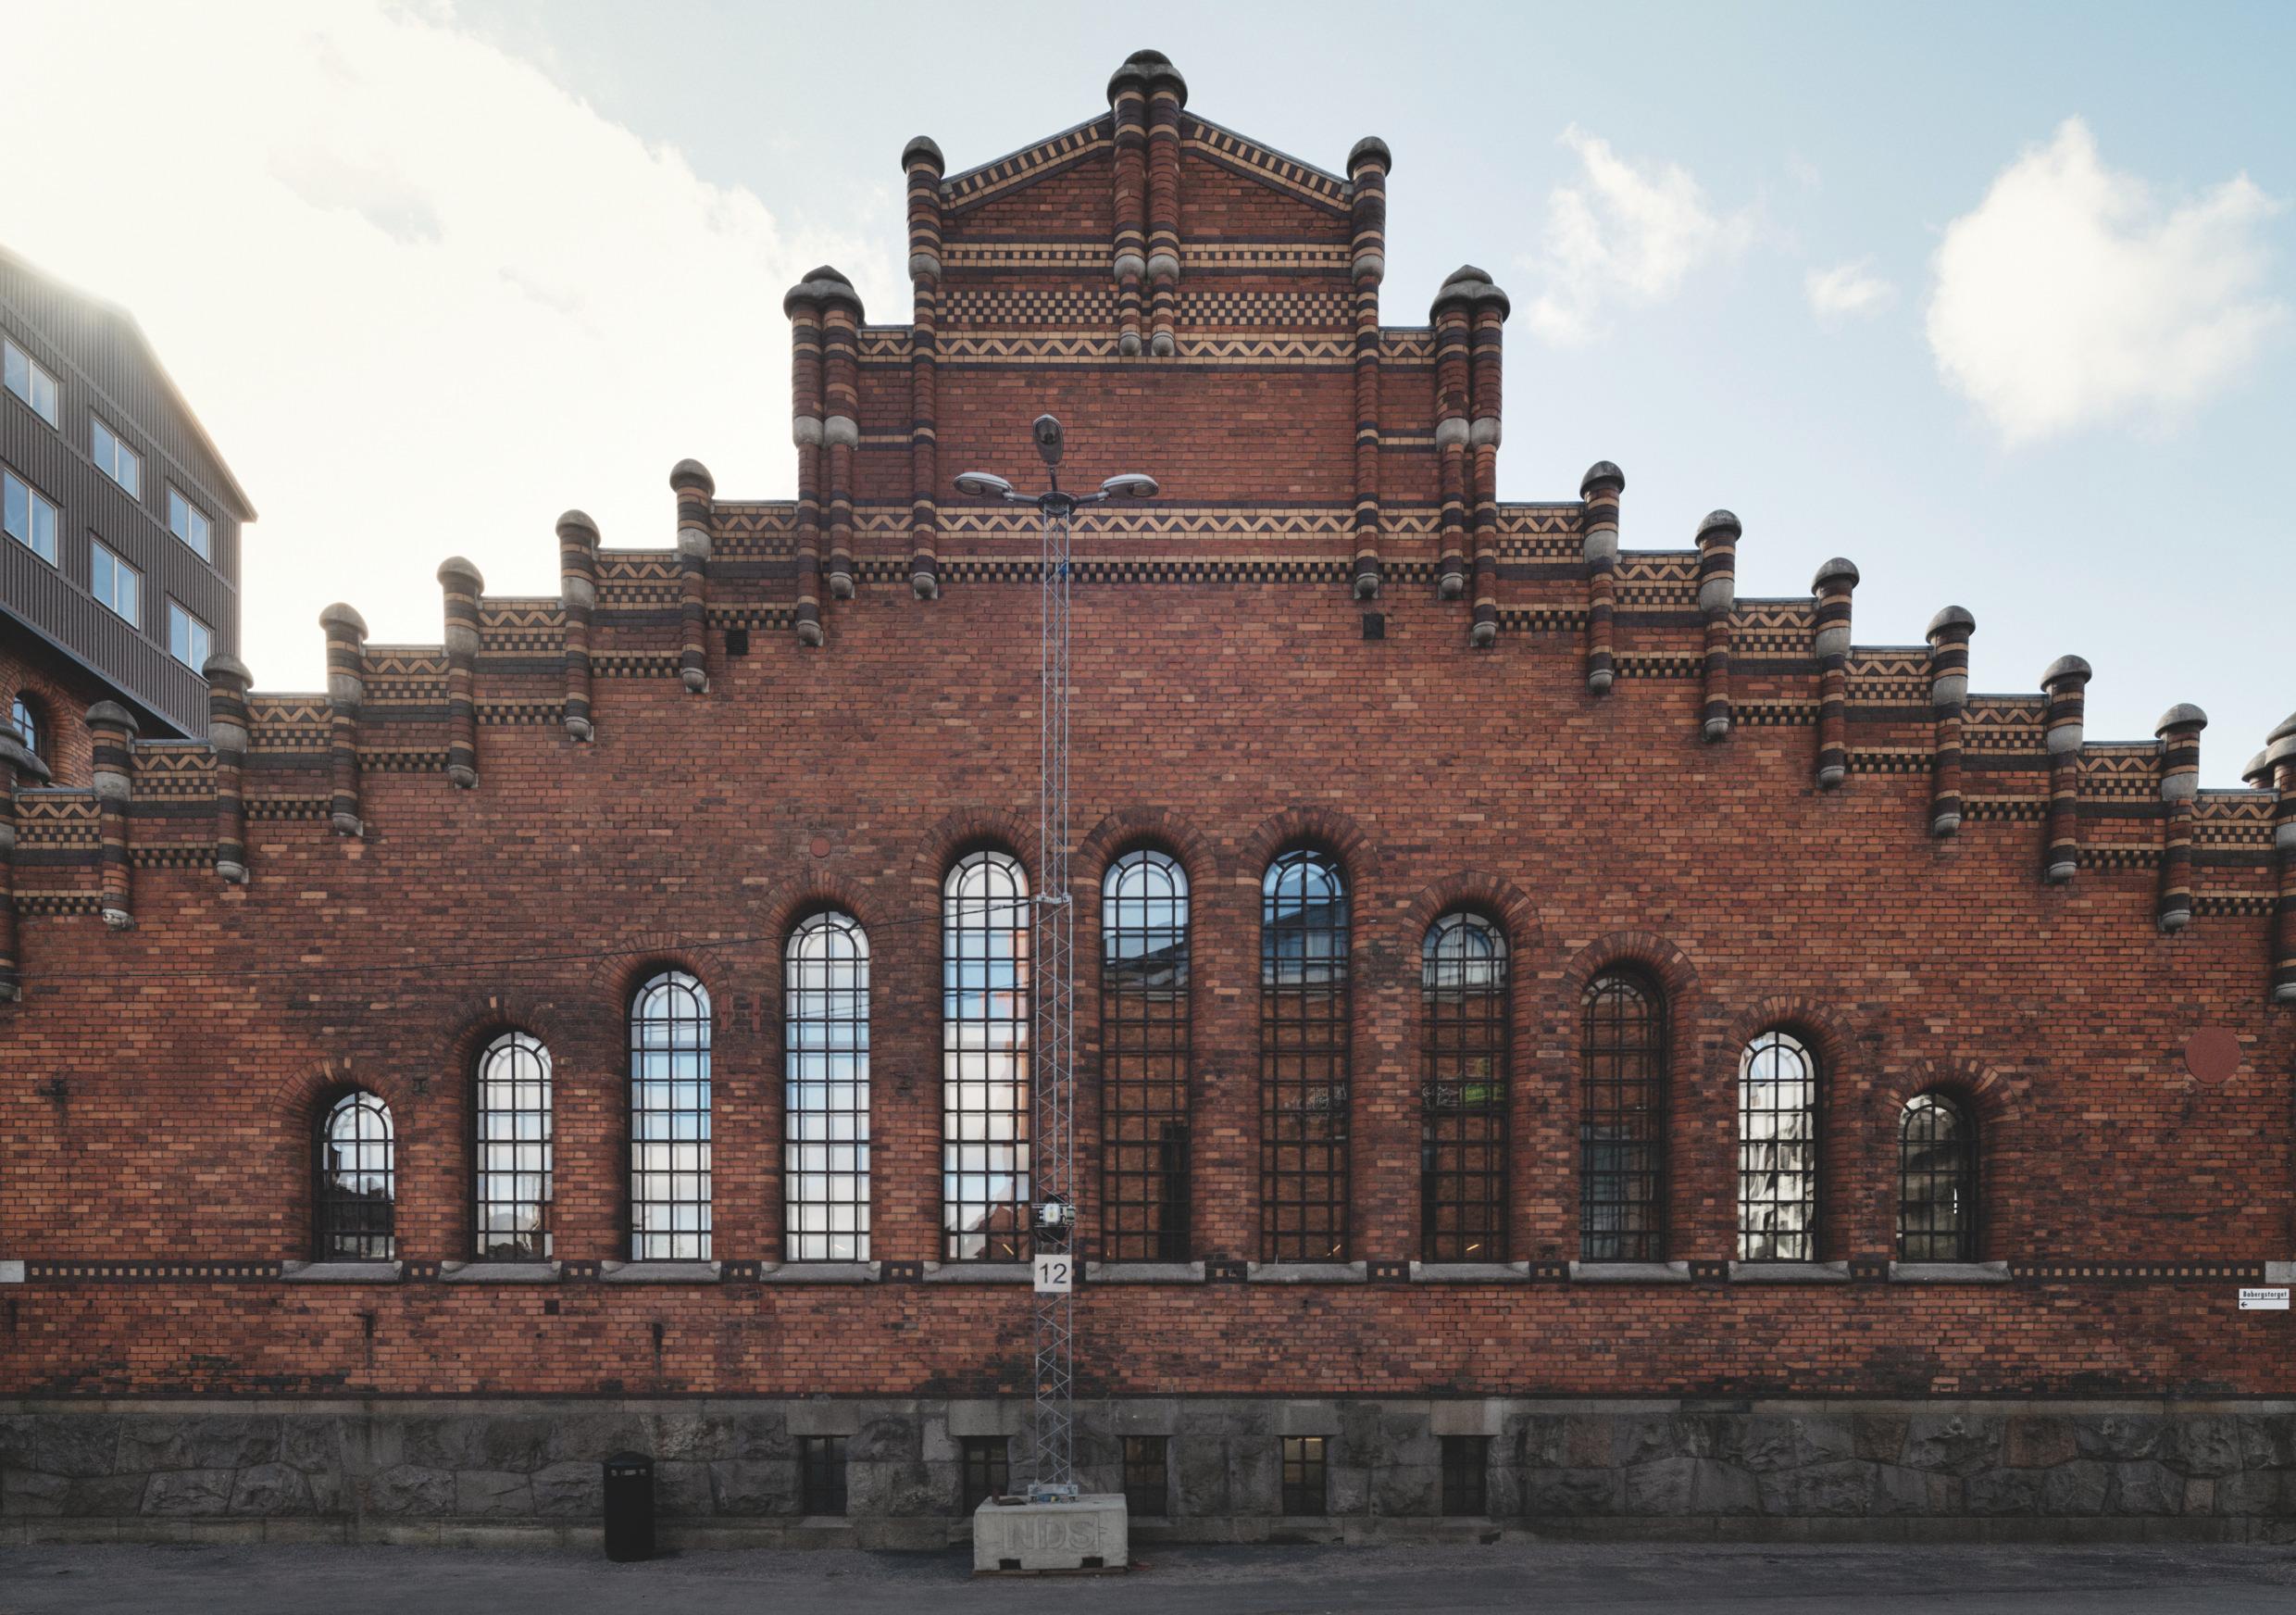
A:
{"x":1090,"y":1533}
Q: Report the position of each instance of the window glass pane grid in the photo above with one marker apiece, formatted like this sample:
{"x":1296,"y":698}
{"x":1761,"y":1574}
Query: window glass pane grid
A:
{"x":1303,"y":1474}
{"x":115,"y":458}
{"x":358,"y":1181}
{"x":1937,"y":1182}
{"x":1622,"y":1122}
{"x":1463,"y":1167}
{"x":821,"y":1474}
{"x":1466,"y":1468}
{"x":113,"y":582}
{"x":1147,"y":1476}
{"x":1304,"y":1060}
{"x":1145,"y":1032}
{"x":669,"y":1164}
{"x":514,"y":1184}
{"x":27,"y":724}
{"x":1777,"y":1150}
{"x":28,"y":380}
{"x":826,"y":1092}
{"x":27,"y":517}
{"x":188,"y":523}
{"x":987,"y":1469}
{"x":984,"y":1062}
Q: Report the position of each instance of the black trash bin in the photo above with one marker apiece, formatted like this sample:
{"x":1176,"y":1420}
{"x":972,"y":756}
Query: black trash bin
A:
{"x":629,"y":1506}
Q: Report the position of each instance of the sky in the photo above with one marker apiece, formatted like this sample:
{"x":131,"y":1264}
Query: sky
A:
{"x":1996,"y":301}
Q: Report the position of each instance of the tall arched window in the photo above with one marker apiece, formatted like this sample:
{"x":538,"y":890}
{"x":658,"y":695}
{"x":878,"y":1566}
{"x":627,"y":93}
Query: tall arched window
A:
{"x":1143,"y":1056}
{"x":1303,"y":1059}
{"x":826,"y":1092}
{"x":27,"y":721}
{"x":513,"y":1180}
{"x":358,"y":1180}
{"x":669,"y":1217}
{"x":1778,"y":1150}
{"x":984,"y":1059}
{"x":1937,"y":1182}
{"x":1463,"y":1090}
{"x":1622,"y":1120}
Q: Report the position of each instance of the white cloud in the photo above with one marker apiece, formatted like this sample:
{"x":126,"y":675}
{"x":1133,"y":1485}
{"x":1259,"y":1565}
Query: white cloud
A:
{"x":423,"y":298}
{"x":1622,"y":232}
{"x":1847,"y":292}
{"x":2069,"y":297}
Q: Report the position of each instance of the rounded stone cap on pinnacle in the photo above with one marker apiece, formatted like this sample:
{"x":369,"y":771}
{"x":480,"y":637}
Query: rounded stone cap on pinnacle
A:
{"x":1600,"y":473}
{"x":1839,"y":570}
{"x":220,"y":668}
{"x":2065,"y":669}
{"x":455,"y":568}
{"x":1466,"y":284}
{"x":2283,"y":730}
{"x":2183,"y":715}
{"x":577,"y":521}
{"x":2257,"y":772}
{"x":111,"y":714}
{"x":1370,"y":149}
{"x":823,"y":284}
{"x":1716,"y":522}
{"x":924,"y":149}
{"x":1953,"y":620}
{"x":2281,"y":743}
{"x":340,"y":617}
{"x":1146,"y":68}
{"x":693,"y":474}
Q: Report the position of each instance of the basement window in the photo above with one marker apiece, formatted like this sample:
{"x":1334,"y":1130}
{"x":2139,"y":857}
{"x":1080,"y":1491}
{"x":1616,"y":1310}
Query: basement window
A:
{"x":821,"y":1474}
{"x":1147,"y":1476}
{"x":988,"y":1470}
{"x":1467,"y":1466}
{"x":1304,"y":1490}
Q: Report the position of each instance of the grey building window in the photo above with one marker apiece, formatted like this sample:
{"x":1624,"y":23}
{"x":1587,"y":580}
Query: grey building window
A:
{"x":190,"y":640}
{"x":114,"y":582}
{"x":669,"y":1166}
{"x":821,"y":1474}
{"x":987,"y":1461}
{"x":1148,"y":1475}
{"x":1778,"y":1150}
{"x":514,"y":1150}
{"x":1467,"y":1476}
{"x":28,"y":517}
{"x":1937,"y":1180}
{"x":826,"y":1092}
{"x":357,"y":1173}
{"x":1303,"y":1458}
{"x":189,"y":522}
{"x":115,"y":458}
{"x":984,"y":1059}
{"x":28,"y":380}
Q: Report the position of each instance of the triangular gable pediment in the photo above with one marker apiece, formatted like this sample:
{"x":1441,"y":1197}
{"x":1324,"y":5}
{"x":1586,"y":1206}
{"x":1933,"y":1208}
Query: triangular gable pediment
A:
{"x":1096,"y":138}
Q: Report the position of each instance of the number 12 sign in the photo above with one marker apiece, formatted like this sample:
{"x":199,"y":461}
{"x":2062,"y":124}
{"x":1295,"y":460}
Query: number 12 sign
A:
{"x":1056,"y":1275}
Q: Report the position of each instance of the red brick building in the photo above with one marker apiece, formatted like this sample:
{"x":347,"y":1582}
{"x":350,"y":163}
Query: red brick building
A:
{"x":1563,"y":1043}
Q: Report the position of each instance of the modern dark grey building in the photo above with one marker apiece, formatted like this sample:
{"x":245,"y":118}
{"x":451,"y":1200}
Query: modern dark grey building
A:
{"x":120,"y":523}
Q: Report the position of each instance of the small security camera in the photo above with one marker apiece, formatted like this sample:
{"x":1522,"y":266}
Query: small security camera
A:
{"x":985,"y":485}
{"x":1131,"y":485}
{"x":1046,"y":430}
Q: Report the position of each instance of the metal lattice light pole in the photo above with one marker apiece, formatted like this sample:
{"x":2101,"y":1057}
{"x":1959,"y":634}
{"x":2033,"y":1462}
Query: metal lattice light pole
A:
{"x":1052,"y":978}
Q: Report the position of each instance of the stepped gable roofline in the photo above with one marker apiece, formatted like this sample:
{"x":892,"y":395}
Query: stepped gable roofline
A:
{"x":245,"y":506}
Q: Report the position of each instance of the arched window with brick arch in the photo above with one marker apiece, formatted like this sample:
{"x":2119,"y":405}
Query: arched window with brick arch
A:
{"x":513,"y":1149}
{"x":669,"y":1165}
{"x":358,"y":1180}
{"x":1463,"y":1027}
{"x":985,"y":984}
{"x":826,"y":1091}
{"x":1937,"y":1180}
{"x":24,"y":712}
{"x":1622,"y":1118}
{"x":1144,"y":1013}
{"x":1304,"y":1059}
{"x":1777,"y":1142}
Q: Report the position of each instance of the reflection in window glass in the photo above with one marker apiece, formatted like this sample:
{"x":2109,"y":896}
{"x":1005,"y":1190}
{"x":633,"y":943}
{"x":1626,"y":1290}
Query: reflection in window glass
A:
{"x":1622,"y":1121}
{"x":1937,"y":1199}
{"x":357,"y":1178}
{"x":113,"y":457}
{"x":114,"y":581}
{"x":514,"y":1148}
{"x":669,"y":1169}
{"x":24,"y":378}
{"x":984,"y":1059}
{"x":29,"y":518}
{"x":189,"y":522}
{"x":1143,"y":1053}
{"x":1304,"y":1059}
{"x":826,"y":1106}
{"x":1777,"y":1150}
{"x":189,"y":640}
{"x":1463,"y":1087}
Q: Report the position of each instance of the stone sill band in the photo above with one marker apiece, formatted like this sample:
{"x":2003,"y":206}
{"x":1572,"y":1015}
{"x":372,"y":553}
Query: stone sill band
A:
{"x":502,"y":1273}
{"x":345,"y":1273}
{"x":660,"y":1273}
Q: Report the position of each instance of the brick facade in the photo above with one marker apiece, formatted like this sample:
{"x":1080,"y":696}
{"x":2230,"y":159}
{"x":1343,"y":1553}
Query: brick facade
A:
{"x":824,"y":702}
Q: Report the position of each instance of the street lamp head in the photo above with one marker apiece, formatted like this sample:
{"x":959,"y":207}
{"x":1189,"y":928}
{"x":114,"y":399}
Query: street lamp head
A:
{"x":1045,"y":428}
{"x":1131,"y":485}
{"x":985,"y":485}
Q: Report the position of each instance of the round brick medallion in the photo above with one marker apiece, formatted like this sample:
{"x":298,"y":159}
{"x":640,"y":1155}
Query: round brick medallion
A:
{"x":820,"y":848}
{"x":2212,"y":1053}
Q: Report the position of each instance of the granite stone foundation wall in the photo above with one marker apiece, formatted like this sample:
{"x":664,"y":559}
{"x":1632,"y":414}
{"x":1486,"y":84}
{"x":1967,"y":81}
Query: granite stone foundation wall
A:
{"x":726,"y":1471}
